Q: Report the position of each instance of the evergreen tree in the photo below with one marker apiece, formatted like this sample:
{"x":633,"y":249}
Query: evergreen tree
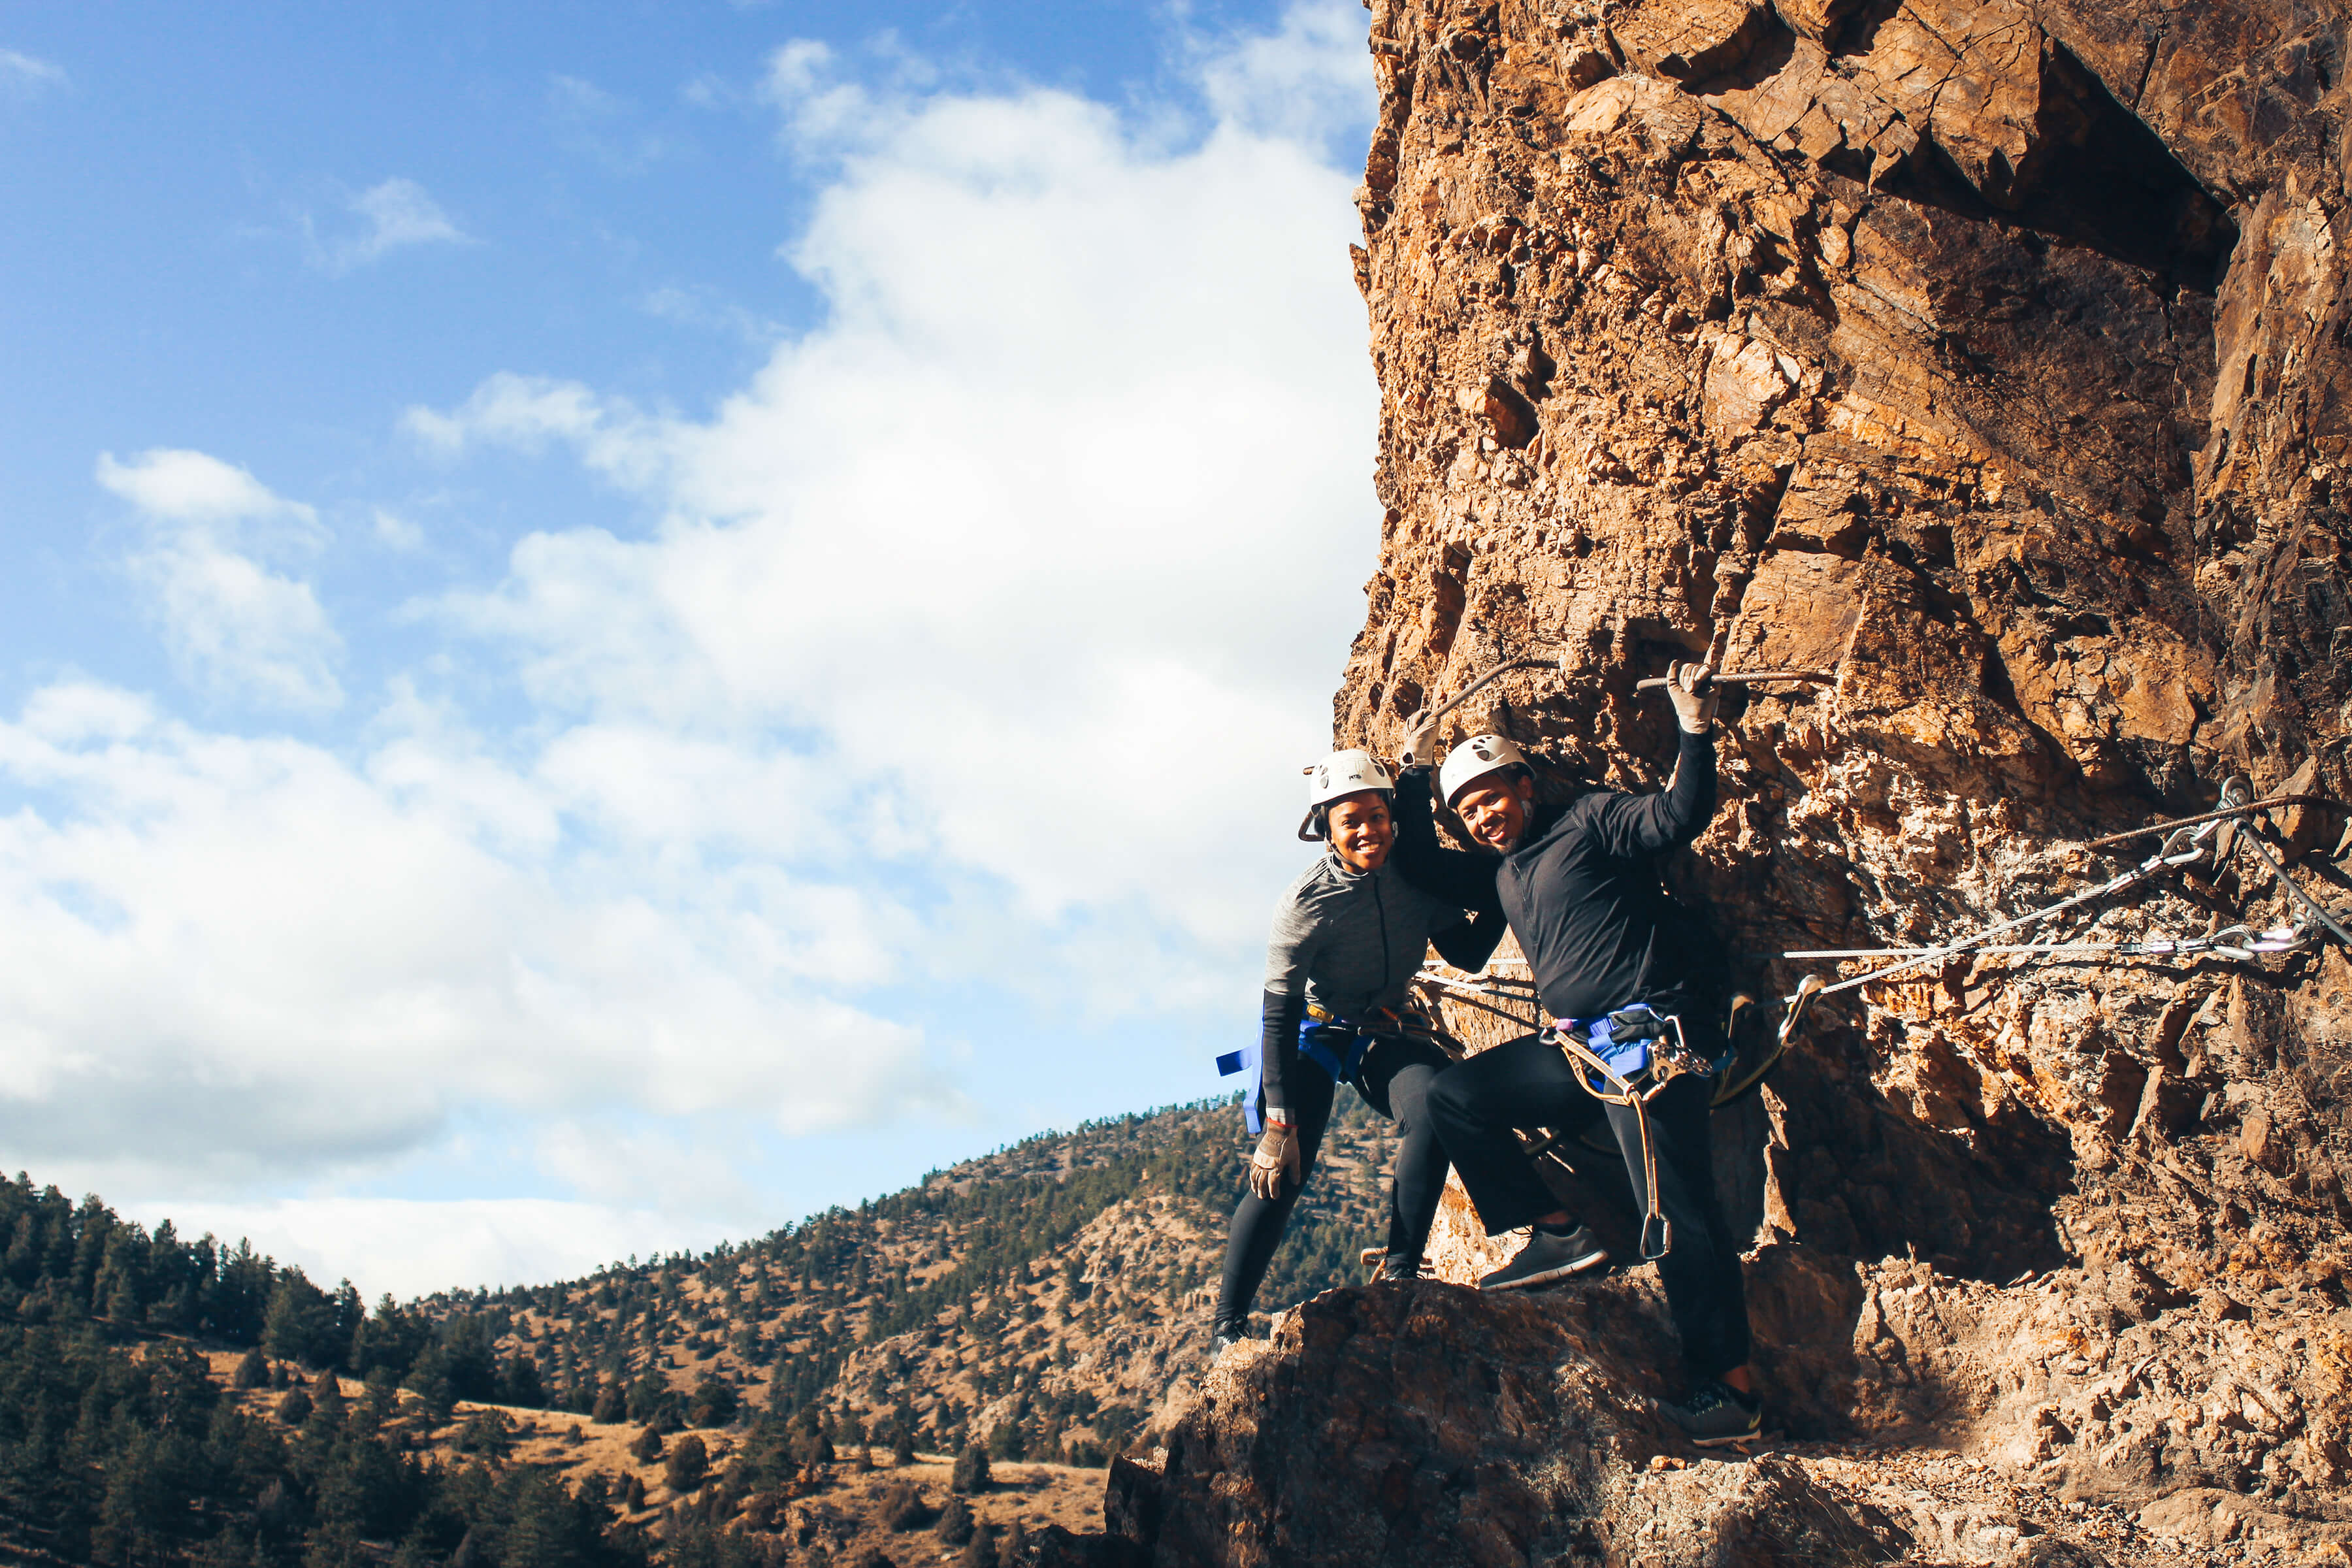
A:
{"x":327,"y":1399}
{"x":971,"y":1472}
{"x":688,"y":1465}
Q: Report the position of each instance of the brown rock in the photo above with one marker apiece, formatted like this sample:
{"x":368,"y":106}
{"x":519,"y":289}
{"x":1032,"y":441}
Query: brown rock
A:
{"x":1691,"y":40}
{"x":1988,"y":356}
{"x":1437,"y":1425}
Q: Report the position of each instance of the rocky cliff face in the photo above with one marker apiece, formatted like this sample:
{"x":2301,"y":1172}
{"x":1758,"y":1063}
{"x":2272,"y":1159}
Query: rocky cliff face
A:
{"x":1993,"y":358}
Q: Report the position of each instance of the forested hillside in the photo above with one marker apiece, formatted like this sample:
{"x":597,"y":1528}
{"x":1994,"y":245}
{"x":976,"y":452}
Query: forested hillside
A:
{"x":165,"y":1400}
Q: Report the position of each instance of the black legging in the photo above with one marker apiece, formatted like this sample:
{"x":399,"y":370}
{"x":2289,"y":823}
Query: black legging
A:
{"x":1395,"y":1076}
{"x":1530,"y":1083}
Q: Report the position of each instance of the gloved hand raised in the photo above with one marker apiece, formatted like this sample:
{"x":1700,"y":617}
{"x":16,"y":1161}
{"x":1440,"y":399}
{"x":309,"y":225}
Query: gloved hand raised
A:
{"x":1420,"y":741}
{"x":1275,"y":1167}
{"x":1691,"y":688}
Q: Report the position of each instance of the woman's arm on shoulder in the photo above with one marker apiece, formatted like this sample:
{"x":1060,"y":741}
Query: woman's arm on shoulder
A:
{"x":1462,"y":879}
{"x":1470,"y":941}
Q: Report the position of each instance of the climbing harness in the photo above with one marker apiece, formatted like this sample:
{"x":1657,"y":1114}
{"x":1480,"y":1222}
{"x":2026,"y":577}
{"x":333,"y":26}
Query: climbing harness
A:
{"x":1337,"y":1045}
{"x":1626,"y":1058}
{"x":1490,"y":992}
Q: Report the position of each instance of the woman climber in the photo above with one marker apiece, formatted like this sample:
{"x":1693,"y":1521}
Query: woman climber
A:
{"x":1348,"y":937}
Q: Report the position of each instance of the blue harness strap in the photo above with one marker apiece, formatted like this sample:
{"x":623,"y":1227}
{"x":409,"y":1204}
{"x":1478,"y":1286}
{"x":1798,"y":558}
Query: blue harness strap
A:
{"x":1241,"y":1060}
{"x":1335,"y":1046}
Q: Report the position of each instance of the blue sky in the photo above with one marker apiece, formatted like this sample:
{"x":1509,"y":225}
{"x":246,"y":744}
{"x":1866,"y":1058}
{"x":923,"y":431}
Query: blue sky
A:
{"x":627,"y":621}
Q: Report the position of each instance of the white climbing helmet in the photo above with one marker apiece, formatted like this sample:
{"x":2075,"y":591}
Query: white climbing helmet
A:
{"x":1341,"y":772}
{"x":1474,"y":759}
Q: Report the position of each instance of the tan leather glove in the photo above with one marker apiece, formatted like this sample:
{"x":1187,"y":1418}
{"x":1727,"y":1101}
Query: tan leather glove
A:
{"x":1691,"y":688}
{"x":1420,"y":741}
{"x":1275,"y":1167}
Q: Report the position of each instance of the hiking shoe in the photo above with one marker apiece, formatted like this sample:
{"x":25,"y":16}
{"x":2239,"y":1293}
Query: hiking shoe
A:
{"x":1397,"y":1268}
{"x":1227,"y":1333}
{"x":1716,"y":1414}
{"x":1546,"y":1256}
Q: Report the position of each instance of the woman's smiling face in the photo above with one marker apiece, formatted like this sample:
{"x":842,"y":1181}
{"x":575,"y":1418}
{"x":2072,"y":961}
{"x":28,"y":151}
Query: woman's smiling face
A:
{"x":1363,"y":832}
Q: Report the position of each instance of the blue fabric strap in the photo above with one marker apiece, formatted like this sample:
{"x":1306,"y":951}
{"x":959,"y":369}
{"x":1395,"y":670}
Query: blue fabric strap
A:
{"x":1334,"y":1046}
{"x":1246,"y":1059}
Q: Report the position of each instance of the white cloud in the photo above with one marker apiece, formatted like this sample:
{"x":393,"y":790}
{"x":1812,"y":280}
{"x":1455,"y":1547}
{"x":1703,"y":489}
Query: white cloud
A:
{"x":235,"y":629}
{"x":191,"y":486}
{"x":391,"y":216}
{"x":24,"y":75}
{"x":245,"y":959}
{"x":396,"y":533}
{"x":972,"y":647}
{"x":1306,"y":82}
{"x":1051,"y":530}
{"x":411,"y":1247}
{"x":238,"y":631}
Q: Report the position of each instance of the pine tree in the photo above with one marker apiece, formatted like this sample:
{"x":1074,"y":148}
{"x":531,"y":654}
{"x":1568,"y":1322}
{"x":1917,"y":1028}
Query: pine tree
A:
{"x":688,"y":1466}
{"x":327,"y":1399}
{"x":971,"y":1474}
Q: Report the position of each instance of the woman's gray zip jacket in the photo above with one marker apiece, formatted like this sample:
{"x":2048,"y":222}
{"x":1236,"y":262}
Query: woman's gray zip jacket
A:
{"x":1349,"y":941}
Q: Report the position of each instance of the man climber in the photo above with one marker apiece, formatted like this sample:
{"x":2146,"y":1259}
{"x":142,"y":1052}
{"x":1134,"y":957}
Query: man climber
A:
{"x":1580,"y":885}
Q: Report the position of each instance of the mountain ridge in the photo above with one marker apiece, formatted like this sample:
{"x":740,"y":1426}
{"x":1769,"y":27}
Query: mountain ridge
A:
{"x":1033,"y":1305}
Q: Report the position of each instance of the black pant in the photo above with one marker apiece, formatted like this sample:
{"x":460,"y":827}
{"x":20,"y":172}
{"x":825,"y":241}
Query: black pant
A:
{"x":1530,"y":1083}
{"x":1395,"y":1076}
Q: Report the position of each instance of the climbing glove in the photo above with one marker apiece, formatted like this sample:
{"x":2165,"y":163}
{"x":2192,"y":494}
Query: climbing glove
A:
{"x":1691,"y":688}
{"x":1419,"y":741}
{"x":1275,"y":1167}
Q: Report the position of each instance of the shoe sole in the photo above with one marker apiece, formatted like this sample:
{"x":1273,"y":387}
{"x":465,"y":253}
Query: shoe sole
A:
{"x":1577,"y":1265}
{"x":1739,"y":1440}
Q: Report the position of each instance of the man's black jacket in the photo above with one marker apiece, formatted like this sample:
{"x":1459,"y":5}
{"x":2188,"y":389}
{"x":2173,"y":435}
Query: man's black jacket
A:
{"x":1582,"y":888}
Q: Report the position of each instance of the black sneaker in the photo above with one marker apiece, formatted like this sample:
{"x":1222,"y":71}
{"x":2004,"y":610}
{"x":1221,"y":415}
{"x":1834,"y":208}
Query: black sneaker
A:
{"x":1397,"y":1268}
{"x":1547,"y":1257}
{"x":1717,"y":1414}
{"x":1227,"y":1333}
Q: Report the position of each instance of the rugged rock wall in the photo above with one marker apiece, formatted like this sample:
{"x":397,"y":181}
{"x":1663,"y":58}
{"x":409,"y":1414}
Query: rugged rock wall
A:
{"x":1993,"y":357}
